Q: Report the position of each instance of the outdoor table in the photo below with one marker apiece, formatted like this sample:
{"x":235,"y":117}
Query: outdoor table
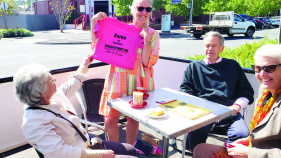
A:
{"x":173,"y":125}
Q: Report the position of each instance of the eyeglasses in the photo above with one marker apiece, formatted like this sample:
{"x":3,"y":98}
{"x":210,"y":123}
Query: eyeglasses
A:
{"x":147,"y":9}
{"x":268,"y":68}
{"x":52,"y":79}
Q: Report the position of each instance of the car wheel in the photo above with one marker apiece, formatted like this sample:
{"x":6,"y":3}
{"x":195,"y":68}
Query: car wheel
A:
{"x":270,"y":26}
{"x":249,"y":32}
{"x":262,"y":26}
{"x":230,"y":35}
{"x":197,"y":35}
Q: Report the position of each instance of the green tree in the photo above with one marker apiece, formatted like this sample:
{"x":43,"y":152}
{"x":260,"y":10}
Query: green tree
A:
{"x":61,"y":8}
{"x":182,"y":7}
{"x":250,"y":7}
{"x":122,"y":7}
{"x":12,"y":9}
{"x":158,"y":4}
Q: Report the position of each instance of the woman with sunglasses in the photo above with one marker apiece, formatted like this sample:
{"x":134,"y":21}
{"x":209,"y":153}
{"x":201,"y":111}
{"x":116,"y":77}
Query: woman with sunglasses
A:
{"x":119,"y":85}
{"x":265,"y":127}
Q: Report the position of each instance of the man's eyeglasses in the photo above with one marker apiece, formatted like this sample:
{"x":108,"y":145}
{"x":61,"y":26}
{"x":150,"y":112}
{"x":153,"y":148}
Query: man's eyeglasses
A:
{"x":268,"y":68}
{"x":52,"y":79}
{"x":147,"y":9}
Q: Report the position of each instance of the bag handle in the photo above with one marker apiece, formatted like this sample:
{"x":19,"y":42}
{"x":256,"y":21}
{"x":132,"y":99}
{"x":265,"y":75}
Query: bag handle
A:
{"x":59,"y":115}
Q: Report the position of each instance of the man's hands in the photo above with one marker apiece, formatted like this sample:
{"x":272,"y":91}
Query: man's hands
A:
{"x":236,"y":108}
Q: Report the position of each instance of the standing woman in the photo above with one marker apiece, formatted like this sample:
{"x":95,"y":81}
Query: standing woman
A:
{"x":122,"y":82}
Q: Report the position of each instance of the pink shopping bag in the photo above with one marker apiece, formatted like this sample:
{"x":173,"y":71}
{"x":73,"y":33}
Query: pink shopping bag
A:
{"x":118,"y":43}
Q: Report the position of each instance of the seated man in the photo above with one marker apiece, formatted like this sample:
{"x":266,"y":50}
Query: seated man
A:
{"x":222,"y":81}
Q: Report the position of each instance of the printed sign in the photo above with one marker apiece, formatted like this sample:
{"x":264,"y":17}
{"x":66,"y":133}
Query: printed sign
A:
{"x":176,"y":1}
{"x":4,"y":5}
{"x":118,"y":43}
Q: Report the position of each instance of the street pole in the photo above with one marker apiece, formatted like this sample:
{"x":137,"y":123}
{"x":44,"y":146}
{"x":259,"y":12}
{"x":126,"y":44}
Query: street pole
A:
{"x":5,"y":20}
{"x":171,"y":14}
{"x":5,"y":17}
{"x":280,"y":29}
{"x":190,"y":15}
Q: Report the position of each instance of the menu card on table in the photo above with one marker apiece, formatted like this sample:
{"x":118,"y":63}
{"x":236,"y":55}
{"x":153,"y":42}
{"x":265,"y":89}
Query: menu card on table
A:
{"x":185,"y":109}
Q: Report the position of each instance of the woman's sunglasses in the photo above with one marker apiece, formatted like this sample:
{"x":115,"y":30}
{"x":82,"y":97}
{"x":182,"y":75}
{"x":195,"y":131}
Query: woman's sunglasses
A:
{"x":147,"y":9}
{"x":268,"y":68}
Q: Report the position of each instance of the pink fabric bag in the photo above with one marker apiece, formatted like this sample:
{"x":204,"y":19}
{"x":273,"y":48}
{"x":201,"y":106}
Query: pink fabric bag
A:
{"x":118,"y":43}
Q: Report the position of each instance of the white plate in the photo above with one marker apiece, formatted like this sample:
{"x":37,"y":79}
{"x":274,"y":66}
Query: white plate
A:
{"x":157,"y":117}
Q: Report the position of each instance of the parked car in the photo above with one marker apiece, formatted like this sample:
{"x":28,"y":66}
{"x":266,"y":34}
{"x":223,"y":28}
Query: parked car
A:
{"x":248,"y":18}
{"x":266,"y":22}
{"x":227,"y":22}
{"x":275,"y":21}
{"x":259,"y":23}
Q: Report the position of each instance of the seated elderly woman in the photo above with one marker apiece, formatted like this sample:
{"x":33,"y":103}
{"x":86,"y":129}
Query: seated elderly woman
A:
{"x":265,"y":127}
{"x":51,"y":135}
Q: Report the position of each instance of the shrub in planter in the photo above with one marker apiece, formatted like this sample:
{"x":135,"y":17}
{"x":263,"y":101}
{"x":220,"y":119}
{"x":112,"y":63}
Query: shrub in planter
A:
{"x":26,"y":33}
{"x":243,"y":54}
{"x":15,"y":33}
{"x":20,"y":33}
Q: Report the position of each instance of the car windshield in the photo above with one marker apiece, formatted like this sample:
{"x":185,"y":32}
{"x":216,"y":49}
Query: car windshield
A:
{"x":246,"y":17}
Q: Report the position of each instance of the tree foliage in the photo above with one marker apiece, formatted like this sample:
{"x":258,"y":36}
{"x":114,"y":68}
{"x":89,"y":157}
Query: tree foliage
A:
{"x":182,"y":7}
{"x":61,"y":8}
{"x":250,"y":7}
{"x":12,"y":9}
{"x":122,"y":7}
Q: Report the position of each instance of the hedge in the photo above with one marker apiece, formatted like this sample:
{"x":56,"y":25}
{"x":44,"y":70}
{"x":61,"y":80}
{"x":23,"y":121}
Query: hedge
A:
{"x":243,"y":54}
{"x":7,"y":33}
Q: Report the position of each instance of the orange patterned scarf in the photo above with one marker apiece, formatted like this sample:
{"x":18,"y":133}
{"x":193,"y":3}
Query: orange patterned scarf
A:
{"x":261,"y":111}
{"x":259,"y":114}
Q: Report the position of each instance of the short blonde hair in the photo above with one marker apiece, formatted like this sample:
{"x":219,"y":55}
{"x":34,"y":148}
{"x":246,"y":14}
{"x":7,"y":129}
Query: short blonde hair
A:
{"x":269,"y":50}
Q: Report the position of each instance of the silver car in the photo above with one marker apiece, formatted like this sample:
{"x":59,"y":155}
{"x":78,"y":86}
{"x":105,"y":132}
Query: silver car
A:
{"x":275,"y":21}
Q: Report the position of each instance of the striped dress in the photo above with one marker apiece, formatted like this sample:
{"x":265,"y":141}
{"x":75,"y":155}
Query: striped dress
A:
{"x":121,"y":82}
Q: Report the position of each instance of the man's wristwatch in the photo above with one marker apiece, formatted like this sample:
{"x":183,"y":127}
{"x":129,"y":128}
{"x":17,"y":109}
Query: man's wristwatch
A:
{"x":149,"y":43}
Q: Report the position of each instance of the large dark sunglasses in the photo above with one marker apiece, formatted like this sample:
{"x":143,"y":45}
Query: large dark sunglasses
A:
{"x":147,"y":9}
{"x":268,"y":68}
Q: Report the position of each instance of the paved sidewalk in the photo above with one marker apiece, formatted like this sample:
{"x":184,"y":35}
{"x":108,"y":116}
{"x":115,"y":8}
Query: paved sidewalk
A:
{"x":72,"y":36}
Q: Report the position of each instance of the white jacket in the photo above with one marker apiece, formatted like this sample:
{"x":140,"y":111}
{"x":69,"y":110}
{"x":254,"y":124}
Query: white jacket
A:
{"x":53,"y":136}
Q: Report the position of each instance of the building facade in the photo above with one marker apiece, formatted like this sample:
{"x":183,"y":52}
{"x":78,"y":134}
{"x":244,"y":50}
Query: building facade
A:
{"x":88,"y":7}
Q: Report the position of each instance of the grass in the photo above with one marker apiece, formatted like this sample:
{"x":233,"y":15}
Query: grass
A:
{"x":243,"y":54}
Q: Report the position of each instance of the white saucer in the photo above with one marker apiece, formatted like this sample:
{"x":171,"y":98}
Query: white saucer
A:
{"x":157,"y":117}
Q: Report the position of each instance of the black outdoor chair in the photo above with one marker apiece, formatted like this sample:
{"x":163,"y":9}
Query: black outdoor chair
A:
{"x":92,"y":90}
